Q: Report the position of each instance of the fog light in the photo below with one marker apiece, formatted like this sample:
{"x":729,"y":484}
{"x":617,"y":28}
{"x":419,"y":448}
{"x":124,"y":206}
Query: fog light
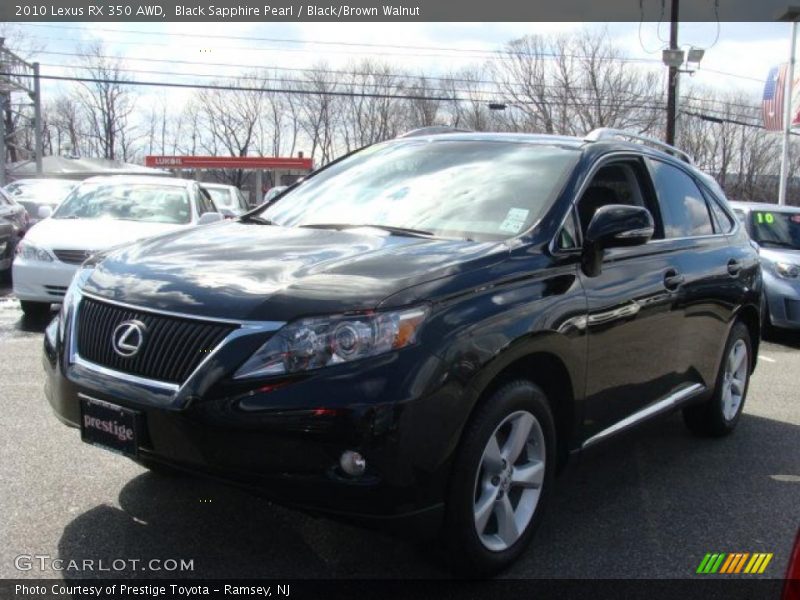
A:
{"x":352,"y":463}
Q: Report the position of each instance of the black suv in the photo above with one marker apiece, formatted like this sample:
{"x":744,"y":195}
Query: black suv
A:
{"x":426,"y":327}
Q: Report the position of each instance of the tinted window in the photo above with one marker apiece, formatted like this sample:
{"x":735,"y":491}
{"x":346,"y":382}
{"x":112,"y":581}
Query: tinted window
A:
{"x":683,"y":206}
{"x":474,"y":189}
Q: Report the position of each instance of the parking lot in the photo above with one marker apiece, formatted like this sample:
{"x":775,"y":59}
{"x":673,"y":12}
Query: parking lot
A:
{"x":649,"y":504}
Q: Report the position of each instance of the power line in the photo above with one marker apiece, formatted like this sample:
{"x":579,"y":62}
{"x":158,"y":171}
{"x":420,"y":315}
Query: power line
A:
{"x":348,"y":94}
{"x":398,"y":83}
{"x":307,"y":92}
{"x":490,"y":52}
{"x":487,"y":94}
{"x":498,"y":85}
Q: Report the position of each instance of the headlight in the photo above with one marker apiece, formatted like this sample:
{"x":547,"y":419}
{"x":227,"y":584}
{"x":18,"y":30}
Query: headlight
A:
{"x":787,"y":270}
{"x":71,"y":296}
{"x":320,"y":342}
{"x":30,"y":252}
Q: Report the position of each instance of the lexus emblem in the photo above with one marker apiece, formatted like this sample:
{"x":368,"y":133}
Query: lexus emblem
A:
{"x":128,"y":338}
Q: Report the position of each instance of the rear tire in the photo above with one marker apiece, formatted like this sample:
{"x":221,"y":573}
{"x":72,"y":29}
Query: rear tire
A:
{"x":719,"y":415}
{"x":35,"y":310}
{"x":501,"y":480}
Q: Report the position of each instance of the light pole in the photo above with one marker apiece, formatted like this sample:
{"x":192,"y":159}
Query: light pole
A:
{"x":791,"y":15}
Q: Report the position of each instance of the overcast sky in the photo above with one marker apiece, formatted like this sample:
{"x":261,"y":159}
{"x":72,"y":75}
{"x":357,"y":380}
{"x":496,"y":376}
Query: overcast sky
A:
{"x":738,"y":55}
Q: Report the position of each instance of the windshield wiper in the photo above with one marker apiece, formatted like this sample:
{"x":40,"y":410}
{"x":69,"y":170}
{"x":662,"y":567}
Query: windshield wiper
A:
{"x":405,"y":231}
{"x":256,"y":219}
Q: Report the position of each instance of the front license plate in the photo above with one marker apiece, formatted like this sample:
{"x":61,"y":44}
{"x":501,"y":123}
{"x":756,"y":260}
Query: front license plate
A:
{"x":110,"y":426}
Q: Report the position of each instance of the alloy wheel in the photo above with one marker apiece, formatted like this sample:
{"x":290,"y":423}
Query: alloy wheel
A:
{"x":734,"y":381}
{"x":509,"y":480}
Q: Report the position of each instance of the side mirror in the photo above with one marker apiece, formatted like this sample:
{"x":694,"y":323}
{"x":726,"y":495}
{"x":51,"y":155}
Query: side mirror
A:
{"x":614,"y":226}
{"x":44,"y":212}
{"x":209,"y":217}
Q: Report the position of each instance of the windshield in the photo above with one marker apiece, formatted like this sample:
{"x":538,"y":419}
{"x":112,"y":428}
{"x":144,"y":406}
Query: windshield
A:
{"x":466,"y":189}
{"x":45,"y":191}
{"x":149,"y":202}
{"x":776,"y":229}
{"x":222,"y":197}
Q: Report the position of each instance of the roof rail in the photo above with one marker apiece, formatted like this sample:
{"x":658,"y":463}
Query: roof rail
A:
{"x":434,"y":130}
{"x":606,"y":133}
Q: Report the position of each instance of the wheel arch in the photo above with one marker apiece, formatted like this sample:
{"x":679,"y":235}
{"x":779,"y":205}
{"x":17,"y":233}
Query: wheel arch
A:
{"x":751,"y":317}
{"x":551,"y":372}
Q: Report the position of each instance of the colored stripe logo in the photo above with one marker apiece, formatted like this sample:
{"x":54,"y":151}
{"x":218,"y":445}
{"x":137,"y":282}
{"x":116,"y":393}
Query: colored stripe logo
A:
{"x":734,"y":562}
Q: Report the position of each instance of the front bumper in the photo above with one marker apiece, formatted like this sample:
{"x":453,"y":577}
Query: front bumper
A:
{"x":783,"y":300}
{"x":39,"y":281}
{"x":284,"y":438}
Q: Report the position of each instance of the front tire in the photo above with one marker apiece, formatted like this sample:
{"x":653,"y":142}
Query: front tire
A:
{"x":35,"y":310}
{"x":501,"y":479}
{"x":719,"y":415}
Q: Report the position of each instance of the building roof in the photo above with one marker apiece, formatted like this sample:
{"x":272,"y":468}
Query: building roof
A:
{"x":79,"y":168}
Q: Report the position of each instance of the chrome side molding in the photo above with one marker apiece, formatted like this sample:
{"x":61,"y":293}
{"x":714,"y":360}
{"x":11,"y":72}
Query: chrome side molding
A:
{"x":672,"y":401}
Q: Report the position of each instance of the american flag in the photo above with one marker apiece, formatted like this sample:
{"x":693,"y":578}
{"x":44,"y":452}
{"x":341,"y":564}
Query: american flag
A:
{"x":772,"y":104}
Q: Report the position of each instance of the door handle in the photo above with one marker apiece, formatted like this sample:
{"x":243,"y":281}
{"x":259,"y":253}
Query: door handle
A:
{"x":734,"y":267}
{"x":673,"y":280}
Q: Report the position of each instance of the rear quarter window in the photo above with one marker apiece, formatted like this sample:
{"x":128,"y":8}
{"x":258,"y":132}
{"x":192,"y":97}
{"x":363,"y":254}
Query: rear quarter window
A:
{"x":683,"y":206}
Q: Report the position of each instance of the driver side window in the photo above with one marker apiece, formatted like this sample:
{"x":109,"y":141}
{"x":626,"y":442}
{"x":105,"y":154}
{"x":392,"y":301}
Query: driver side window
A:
{"x":620,"y":182}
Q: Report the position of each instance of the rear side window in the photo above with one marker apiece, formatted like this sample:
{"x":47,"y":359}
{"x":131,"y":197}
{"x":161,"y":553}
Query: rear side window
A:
{"x":723,"y":223}
{"x":683,"y":206}
{"x":205,"y":204}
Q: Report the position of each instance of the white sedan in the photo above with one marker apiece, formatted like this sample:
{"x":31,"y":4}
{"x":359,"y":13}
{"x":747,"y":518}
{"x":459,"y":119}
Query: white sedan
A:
{"x":101,"y":213}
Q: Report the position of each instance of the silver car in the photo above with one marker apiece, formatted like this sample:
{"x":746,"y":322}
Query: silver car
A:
{"x":776,"y":231}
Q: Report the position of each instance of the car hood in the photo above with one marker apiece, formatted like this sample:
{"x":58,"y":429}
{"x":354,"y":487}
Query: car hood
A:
{"x":780,"y":255}
{"x":247,"y":271}
{"x":92,"y":234}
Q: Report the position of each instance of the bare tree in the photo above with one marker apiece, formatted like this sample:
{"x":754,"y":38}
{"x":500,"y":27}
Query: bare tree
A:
{"x":229,"y":121}
{"x":570,"y":84}
{"x":318,"y":111}
{"x":107,"y":103}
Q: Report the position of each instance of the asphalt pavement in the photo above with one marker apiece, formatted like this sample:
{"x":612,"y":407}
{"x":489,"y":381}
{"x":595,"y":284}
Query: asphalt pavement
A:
{"x":649,"y":504}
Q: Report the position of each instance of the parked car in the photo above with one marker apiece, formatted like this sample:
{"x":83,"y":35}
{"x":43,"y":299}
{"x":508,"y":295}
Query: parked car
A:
{"x":228,"y":199}
{"x":35,"y":193}
{"x":14,"y":214}
{"x":776,"y":231}
{"x":425,"y":328}
{"x":7,"y":243}
{"x":273,"y":192}
{"x":100,"y":213}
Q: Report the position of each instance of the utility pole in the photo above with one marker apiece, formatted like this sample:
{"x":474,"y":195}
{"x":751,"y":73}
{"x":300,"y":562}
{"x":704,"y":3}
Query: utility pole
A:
{"x":674,"y":74}
{"x":37,"y":119}
{"x":15,"y":80}
{"x":791,"y":15}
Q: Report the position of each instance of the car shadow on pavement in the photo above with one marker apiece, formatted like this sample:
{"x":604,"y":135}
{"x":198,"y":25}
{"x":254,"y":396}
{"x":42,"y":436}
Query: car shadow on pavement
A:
{"x":648,"y":504}
{"x":229,"y":533}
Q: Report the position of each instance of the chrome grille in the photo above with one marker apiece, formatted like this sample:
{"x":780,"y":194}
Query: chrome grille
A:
{"x":172,"y":348}
{"x":72,"y":257}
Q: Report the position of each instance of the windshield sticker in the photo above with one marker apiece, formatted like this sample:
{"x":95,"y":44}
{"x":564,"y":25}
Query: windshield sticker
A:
{"x":515,"y":220}
{"x":765,"y":218}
